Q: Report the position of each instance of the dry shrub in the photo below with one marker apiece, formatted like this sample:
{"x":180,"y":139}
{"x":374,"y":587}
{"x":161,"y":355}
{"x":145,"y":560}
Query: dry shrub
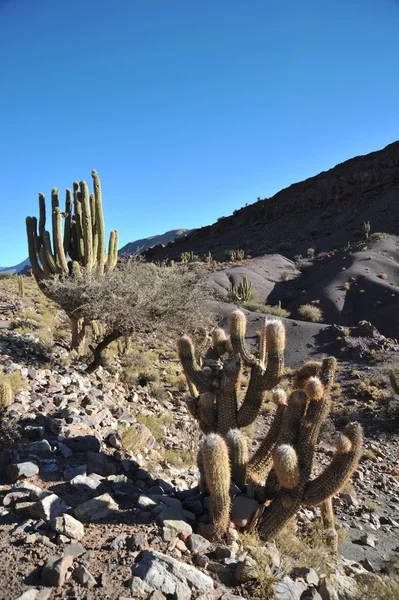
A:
{"x":310,"y":312}
{"x":137,"y":298}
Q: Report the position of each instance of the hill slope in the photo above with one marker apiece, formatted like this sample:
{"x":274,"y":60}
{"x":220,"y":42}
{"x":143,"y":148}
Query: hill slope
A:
{"x":323,"y":211}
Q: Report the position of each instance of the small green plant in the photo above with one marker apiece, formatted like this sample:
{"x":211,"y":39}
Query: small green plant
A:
{"x":366,"y":229}
{"x":268,"y":309}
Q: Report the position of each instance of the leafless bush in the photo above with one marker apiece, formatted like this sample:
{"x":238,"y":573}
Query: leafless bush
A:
{"x":136,"y":298}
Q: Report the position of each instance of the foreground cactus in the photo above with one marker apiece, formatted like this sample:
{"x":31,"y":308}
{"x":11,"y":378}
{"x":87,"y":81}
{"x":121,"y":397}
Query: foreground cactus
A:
{"x":282,"y":465}
{"x":79,"y":248}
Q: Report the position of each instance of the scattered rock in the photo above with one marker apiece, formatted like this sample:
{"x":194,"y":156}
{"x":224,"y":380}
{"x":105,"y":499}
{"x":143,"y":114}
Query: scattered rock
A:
{"x":84,"y":577}
{"x":55,"y":570}
{"x":21,"y":470}
{"x":96,"y":509}
{"x":67,"y":525}
{"x":49,"y":508}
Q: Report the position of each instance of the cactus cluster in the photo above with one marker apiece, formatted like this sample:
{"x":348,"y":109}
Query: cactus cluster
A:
{"x":186,"y":257}
{"x":237,"y":255}
{"x":281,"y":468}
{"x":80,"y":244}
{"x":241,"y":292}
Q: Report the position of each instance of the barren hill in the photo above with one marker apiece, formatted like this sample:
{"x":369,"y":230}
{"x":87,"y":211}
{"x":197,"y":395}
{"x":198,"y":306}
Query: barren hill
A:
{"x":323,"y":211}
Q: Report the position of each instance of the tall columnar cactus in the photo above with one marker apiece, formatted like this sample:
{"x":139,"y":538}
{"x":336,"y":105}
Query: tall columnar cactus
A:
{"x":21,"y":287}
{"x":77,"y":248}
{"x":241,"y":292}
{"x":282,"y":465}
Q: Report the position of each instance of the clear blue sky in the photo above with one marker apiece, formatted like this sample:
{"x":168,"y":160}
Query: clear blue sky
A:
{"x":188,"y":109}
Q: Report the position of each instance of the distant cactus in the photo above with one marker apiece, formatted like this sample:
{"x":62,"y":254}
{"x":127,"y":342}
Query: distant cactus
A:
{"x":187,"y":257}
{"x":21,"y":288}
{"x":366,"y":229}
{"x":287,"y":451}
{"x":78,"y":249}
{"x":237,"y":255}
{"x":241,"y":292}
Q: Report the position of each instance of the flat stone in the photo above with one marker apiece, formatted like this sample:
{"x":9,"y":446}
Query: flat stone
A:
{"x":55,"y":570}
{"x":49,"y":508}
{"x":198,"y":544}
{"x":242,"y":510}
{"x":67,"y":525}
{"x":83,"y":443}
{"x":170,"y":576}
{"x":137,"y":541}
{"x":74,"y":550}
{"x":308,"y":574}
{"x":100,"y":464}
{"x":287,"y":589}
{"x":96,"y":509}
{"x":175,"y":528}
{"x":84,"y":577}
{"x":41,"y":447}
{"x":92,"y":482}
{"x":21,"y":470}
{"x":368,"y":540}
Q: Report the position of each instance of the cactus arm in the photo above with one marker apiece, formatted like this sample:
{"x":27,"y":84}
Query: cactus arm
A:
{"x":238,"y":325}
{"x":253,"y":400}
{"x":221,"y":342}
{"x":42,"y":214}
{"x":54,"y":268}
{"x":58,"y":242}
{"x":260,"y":462}
{"x":275,"y":343}
{"x":86,"y":227}
{"x":216,"y":465}
{"x":191,"y":368}
{"x":31,"y":228}
{"x":112,"y":257}
{"x":308,"y":369}
{"x":45,"y":266}
{"x":93,"y":226}
{"x":348,"y":449}
{"x":99,"y":224}
{"x":68,"y":219}
{"x":77,"y":228}
{"x":206,"y":412}
{"x":226,"y":395}
{"x":238,"y":451}
{"x":54,"y":205}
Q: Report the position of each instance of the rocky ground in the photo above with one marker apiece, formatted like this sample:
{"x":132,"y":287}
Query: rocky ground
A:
{"x":99,"y":495}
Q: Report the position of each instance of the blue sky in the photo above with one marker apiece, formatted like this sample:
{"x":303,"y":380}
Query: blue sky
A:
{"x":187,"y":109}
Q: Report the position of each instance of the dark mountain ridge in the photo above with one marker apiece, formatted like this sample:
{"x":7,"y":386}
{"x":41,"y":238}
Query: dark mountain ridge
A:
{"x":324,"y":210}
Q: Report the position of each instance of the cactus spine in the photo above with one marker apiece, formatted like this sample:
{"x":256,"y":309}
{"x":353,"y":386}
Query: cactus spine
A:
{"x":283,"y":463}
{"x":78,"y":248}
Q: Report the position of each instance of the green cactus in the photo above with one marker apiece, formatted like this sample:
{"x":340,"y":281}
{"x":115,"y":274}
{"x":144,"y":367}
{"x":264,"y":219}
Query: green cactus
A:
{"x":6,"y":393}
{"x":76,"y":249}
{"x":366,"y":229}
{"x":21,"y":287}
{"x":241,"y":292}
{"x":285,"y":457}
